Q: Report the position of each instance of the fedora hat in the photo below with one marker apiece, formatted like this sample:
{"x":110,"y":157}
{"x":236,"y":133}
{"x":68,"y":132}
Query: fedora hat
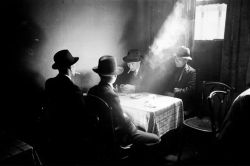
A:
{"x":63,"y":58}
{"x":107,"y":66}
{"x":183,"y":52}
{"x":134,"y":55}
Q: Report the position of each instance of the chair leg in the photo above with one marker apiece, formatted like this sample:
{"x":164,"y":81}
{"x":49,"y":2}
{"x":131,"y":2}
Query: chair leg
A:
{"x":182,"y":141}
{"x":37,"y":161}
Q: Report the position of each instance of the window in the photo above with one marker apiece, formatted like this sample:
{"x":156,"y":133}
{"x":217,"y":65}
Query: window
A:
{"x":210,"y":21}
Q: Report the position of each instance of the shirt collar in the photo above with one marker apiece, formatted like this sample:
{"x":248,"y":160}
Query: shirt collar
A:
{"x":105,"y":83}
{"x":111,"y":85}
{"x":134,"y":72}
{"x":66,"y":76}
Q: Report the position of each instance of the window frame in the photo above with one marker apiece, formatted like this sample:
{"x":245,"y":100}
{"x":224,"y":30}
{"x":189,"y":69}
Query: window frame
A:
{"x":208,"y":2}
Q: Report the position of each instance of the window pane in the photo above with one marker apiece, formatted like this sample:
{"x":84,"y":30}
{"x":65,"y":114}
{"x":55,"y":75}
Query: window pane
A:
{"x":210,"y":22}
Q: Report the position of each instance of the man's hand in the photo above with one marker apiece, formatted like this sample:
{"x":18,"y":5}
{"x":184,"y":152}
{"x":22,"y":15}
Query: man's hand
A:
{"x":127,"y":88}
{"x":171,"y":94}
{"x":176,"y":90}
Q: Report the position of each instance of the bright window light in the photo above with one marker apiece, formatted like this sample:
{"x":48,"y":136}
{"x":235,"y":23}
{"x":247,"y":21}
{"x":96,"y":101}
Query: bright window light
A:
{"x":210,"y":21}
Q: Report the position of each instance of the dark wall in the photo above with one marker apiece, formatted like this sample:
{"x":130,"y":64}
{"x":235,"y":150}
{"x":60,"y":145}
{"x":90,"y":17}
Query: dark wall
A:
{"x":207,"y":59}
{"x":32,"y":31}
{"x":21,"y":91}
{"x":236,"y":49}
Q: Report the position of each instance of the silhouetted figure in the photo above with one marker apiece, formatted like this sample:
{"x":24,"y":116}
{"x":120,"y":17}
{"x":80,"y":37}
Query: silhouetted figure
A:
{"x":234,"y":137}
{"x":183,"y":79}
{"x":125,"y":130}
{"x":67,"y":119}
{"x":130,"y":79}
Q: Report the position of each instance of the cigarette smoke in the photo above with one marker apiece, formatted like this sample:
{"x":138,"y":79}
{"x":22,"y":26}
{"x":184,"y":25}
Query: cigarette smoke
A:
{"x":160,"y":53}
{"x":169,"y":36}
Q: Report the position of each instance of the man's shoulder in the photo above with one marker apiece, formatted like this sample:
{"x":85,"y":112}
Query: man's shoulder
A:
{"x":92,"y":89}
{"x":108,"y":90}
{"x":104,"y":92}
{"x":190,"y":69}
{"x":58,"y":78}
{"x":101,"y":89}
{"x":50,"y":81}
{"x":62,"y":82}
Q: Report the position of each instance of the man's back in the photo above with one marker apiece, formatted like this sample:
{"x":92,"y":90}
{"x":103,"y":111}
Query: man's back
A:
{"x":104,"y":91}
{"x":66,"y":119}
{"x":65,"y":106}
{"x":234,"y":137}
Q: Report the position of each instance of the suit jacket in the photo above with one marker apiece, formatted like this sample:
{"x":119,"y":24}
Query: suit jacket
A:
{"x":130,"y":78}
{"x":186,"y":82}
{"x":234,"y":137}
{"x":106,"y":92}
{"x":66,"y":112}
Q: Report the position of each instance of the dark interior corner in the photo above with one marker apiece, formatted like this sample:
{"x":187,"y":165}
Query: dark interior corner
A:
{"x":27,"y":34}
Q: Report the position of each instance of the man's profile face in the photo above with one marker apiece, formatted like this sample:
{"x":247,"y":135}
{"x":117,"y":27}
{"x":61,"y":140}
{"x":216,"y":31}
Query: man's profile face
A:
{"x":180,"y":62}
{"x":113,"y":79}
{"x":73,"y":69}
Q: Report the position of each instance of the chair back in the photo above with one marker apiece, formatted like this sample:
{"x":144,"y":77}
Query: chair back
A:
{"x":104,"y":142}
{"x":207,"y":88}
{"x":219,"y":104}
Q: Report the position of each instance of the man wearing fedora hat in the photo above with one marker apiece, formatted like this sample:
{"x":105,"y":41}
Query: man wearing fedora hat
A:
{"x":127,"y":132}
{"x":184,"y":77}
{"x":65,"y":107}
{"x":130,"y":79}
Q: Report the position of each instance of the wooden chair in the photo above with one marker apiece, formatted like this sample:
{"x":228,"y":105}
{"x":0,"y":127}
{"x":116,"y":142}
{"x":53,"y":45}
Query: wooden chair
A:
{"x":203,"y":120}
{"x":216,"y":101}
{"x":105,"y":144}
{"x":67,"y":144}
{"x":17,"y":152}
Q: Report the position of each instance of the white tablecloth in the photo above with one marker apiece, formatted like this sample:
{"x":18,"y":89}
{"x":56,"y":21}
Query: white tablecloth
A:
{"x":153,"y":113}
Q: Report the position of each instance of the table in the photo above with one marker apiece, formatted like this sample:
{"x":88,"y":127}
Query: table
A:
{"x":153,"y":113}
{"x":16,"y":152}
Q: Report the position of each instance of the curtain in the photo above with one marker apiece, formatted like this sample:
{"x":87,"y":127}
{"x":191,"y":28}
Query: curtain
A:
{"x":236,"y":48}
{"x":248,"y":73}
{"x":189,"y":13}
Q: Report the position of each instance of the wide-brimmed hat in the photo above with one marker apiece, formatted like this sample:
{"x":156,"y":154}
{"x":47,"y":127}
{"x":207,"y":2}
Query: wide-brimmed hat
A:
{"x":183,"y":52}
{"x":63,"y":58}
{"x":107,"y":66}
{"x":134,"y":55}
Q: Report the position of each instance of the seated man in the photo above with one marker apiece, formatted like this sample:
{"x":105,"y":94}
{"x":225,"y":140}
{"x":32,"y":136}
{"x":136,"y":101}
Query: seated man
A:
{"x":183,"y":79}
{"x":124,"y":128}
{"x":130,"y":79}
{"x":233,"y":138}
{"x":66,"y":119}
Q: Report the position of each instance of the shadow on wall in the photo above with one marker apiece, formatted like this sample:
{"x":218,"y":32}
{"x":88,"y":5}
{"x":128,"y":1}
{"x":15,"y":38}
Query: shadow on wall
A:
{"x":22,"y":90}
{"x":136,"y":26}
{"x":145,"y":20}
